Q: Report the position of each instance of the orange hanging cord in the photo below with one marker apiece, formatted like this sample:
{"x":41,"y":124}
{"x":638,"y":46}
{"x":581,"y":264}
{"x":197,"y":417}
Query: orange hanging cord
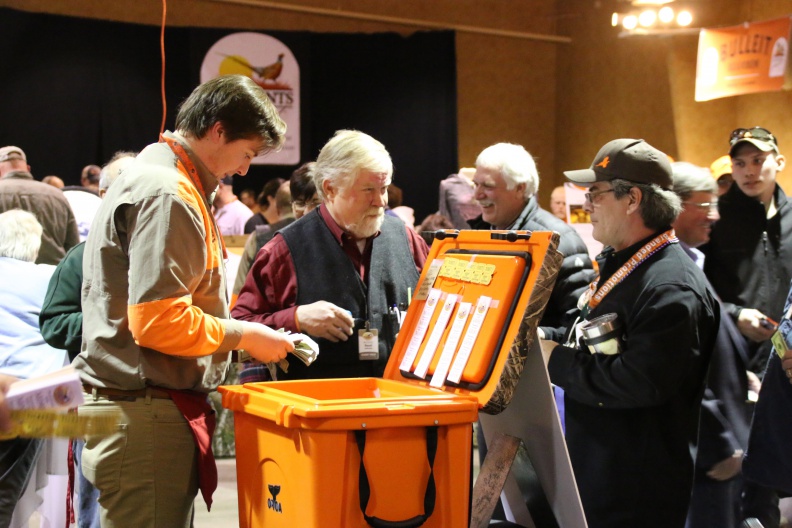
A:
{"x":162,"y":56}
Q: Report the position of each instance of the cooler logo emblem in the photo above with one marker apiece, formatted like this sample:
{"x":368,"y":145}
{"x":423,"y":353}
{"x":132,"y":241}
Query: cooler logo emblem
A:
{"x":273,"y":503}
{"x":604,"y":162}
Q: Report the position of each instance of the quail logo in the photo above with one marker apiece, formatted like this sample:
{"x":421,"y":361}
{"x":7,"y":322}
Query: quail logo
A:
{"x":604,"y":162}
{"x":273,"y":503}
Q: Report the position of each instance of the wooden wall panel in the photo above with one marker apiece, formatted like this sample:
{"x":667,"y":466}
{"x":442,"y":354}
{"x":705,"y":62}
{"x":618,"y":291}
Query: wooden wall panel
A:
{"x":650,"y":82}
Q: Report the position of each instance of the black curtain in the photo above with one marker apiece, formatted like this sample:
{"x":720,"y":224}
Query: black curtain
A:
{"x":73,"y":91}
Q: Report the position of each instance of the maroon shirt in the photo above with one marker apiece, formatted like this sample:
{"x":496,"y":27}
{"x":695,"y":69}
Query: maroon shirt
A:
{"x":270,"y":291}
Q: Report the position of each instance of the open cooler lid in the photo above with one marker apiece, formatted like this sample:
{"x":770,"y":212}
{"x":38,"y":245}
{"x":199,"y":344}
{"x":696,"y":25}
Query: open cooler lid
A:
{"x":474,"y":313}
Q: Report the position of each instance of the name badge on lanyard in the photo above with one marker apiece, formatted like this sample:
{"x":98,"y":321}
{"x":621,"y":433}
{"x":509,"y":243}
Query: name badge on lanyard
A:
{"x":368,"y":343}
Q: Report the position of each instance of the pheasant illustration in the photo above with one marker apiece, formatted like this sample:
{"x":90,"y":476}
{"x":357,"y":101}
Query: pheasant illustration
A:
{"x":265,"y":73}
{"x":271,"y":72}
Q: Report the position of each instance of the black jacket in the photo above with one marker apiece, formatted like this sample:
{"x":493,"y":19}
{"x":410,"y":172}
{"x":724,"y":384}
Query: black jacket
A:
{"x":749,"y":260}
{"x":574,"y":276}
{"x":725,"y":410}
{"x":632,"y":418}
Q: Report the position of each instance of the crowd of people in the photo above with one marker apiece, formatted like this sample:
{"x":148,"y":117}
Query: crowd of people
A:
{"x":682,"y":425}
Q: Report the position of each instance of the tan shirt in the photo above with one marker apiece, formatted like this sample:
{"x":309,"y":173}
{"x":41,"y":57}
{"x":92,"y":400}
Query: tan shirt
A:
{"x":155,"y":307}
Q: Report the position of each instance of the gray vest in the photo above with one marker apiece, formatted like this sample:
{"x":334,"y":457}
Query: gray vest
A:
{"x":325,"y":273}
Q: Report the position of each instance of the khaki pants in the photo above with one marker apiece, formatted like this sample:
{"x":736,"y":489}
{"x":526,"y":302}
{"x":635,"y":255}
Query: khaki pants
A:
{"x":147,"y":472}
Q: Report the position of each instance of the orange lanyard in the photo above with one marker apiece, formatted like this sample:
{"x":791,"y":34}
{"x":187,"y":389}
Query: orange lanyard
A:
{"x":189,"y":166}
{"x":651,"y":247}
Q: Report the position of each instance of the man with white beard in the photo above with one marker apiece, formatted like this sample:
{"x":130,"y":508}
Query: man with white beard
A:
{"x":341,"y":268}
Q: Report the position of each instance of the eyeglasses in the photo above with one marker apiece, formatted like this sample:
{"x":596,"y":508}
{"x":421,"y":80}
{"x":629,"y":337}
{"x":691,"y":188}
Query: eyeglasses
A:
{"x":703,"y":206}
{"x":762,"y":134}
{"x":591,"y":196}
{"x":299,"y":204}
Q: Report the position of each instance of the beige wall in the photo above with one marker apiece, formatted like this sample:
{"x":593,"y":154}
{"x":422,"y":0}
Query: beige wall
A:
{"x":561,"y":101}
{"x":612,"y":87}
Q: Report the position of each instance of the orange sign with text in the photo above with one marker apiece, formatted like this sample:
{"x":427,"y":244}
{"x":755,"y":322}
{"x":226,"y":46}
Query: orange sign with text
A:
{"x":743,"y":59}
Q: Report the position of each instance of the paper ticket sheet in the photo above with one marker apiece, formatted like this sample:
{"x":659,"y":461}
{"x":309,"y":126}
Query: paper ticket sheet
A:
{"x":467,"y":271}
{"x":437,"y":333}
{"x":432,"y":301}
{"x":462,"y":357}
{"x":460,"y":319}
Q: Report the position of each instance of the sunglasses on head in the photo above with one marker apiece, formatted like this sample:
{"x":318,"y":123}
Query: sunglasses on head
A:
{"x":762,"y":134}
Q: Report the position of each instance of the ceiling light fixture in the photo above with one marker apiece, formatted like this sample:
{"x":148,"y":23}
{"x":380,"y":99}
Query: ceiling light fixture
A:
{"x":652,"y":17}
{"x":666,"y":14}
{"x":647,"y":18}
{"x":630,"y":22}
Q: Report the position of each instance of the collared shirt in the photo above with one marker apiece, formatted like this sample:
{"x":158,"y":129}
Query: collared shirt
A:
{"x":693,"y":253}
{"x":232,"y":217}
{"x":155,"y":308}
{"x":270,"y":291}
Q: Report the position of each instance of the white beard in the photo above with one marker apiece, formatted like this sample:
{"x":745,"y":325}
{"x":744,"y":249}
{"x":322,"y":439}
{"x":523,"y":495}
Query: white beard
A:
{"x":367,"y":227}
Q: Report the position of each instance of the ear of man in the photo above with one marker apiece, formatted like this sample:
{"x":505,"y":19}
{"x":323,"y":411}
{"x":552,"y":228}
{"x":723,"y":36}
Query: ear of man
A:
{"x":328,"y":189}
{"x":217,"y":133}
{"x":634,"y":195}
{"x":780,"y":162}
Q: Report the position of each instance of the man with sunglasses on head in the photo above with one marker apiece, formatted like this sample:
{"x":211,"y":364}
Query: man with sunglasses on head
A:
{"x":749,"y":257}
{"x":749,"y":262}
{"x":632,"y":402}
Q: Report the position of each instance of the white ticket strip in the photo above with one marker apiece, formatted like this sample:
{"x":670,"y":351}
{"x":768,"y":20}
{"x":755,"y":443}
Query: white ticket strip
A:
{"x":420,"y":329}
{"x":470,"y":339}
{"x":460,"y":319}
{"x":436,"y":335}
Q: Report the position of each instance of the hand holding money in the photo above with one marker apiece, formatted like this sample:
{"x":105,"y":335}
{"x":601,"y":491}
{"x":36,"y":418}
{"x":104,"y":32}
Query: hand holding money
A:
{"x":305,"y":348}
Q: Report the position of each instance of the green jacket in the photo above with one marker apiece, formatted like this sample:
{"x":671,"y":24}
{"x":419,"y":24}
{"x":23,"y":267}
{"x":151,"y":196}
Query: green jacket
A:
{"x":61,"y":315}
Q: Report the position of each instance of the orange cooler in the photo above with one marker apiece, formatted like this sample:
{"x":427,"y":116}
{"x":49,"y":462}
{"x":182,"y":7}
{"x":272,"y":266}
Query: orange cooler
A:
{"x":299,"y":443}
{"x":298,"y":460}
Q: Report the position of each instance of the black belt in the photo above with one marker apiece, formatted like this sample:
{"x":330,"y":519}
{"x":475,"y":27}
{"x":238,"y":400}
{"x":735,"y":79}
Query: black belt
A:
{"x":127,"y":395}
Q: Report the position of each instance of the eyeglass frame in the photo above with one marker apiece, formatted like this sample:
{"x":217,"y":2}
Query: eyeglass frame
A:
{"x":591,"y":196}
{"x":300,"y":204}
{"x":740,"y":133}
{"x":701,"y":206}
